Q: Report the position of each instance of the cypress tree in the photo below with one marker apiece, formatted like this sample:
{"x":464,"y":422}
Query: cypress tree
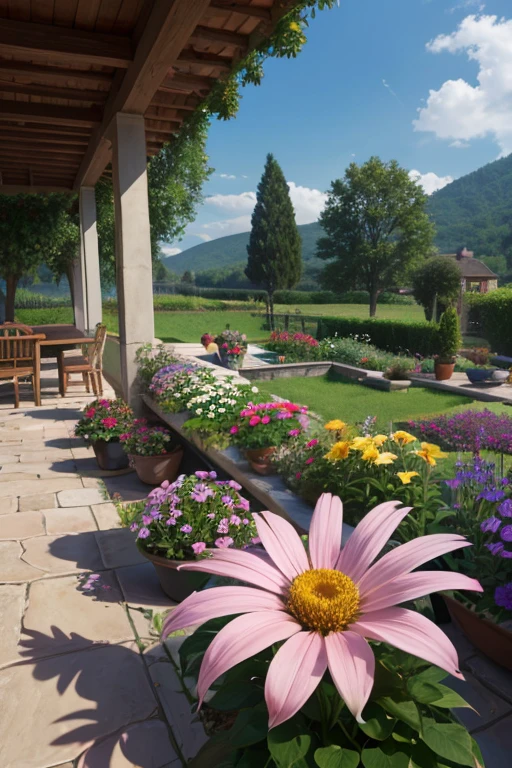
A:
{"x":275,"y":246}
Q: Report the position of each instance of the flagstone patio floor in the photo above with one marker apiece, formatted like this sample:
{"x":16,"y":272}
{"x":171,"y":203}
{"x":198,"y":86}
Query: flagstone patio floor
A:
{"x":84,"y":681}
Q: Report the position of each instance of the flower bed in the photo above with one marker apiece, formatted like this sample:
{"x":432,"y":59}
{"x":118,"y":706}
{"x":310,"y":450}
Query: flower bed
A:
{"x":469,"y":430}
{"x":104,"y":420}
{"x":294,"y":347}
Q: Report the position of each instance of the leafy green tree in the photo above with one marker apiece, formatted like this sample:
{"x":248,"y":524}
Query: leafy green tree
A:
{"x":188,"y":277}
{"x":160,"y":272}
{"x":376,"y":228}
{"x":275,"y":252}
{"x":33,"y":231}
{"x":436,"y":282}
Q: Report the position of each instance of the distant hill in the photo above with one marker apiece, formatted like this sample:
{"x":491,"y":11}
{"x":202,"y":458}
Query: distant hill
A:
{"x":475,"y":211}
{"x":226,"y":251}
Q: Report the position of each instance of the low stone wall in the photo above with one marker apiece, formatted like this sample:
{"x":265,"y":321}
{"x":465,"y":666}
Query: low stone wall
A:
{"x":288,"y":370}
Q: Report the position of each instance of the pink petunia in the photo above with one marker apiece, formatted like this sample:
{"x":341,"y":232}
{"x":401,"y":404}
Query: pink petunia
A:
{"x":310,"y":460}
{"x":265,"y":419}
{"x":254,"y":421}
{"x":323,"y":605}
{"x":198,"y":547}
{"x":224,"y":542}
{"x":234,"y":430}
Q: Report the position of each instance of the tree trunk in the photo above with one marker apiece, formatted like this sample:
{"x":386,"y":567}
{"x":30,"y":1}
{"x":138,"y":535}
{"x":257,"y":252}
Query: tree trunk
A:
{"x":71,"y":280}
{"x":271,"y":310}
{"x":11,"y":282}
{"x":374,"y":295}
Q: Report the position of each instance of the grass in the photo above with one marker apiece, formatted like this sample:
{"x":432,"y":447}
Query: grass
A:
{"x":384,"y":311}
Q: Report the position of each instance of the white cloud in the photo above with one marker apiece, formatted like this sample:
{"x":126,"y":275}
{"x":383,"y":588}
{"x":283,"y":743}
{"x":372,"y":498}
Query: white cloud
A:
{"x":464,"y":5}
{"x":227,"y":176}
{"x":244,"y":202}
{"x":203,"y":236}
{"x":430,"y":182}
{"x":458,"y":144}
{"x":169,"y":250}
{"x":308,"y":203}
{"x":227,"y":227}
{"x":460,"y":111}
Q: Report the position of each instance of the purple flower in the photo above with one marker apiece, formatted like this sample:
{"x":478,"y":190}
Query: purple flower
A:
{"x":170,"y":521}
{"x":454,"y":483}
{"x":236,"y":486}
{"x":505,"y":508}
{"x":201,"y":474}
{"x":186,"y":529}
{"x":211,"y":516}
{"x":245,"y":521}
{"x":228,"y":501}
{"x":491,"y":495}
{"x":134,"y":527}
{"x":147,"y":519}
{"x":256,"y":540}
{"x":243,"y":504}
{"x":506,"y":533}
{"x":492,"y":524}
{"x":223,"y":526}
{"x":503,"y":596}
{"x":198,"y":547}
{"x":143,"y":533}
{"x":294,"y":432}
{"x":234,"y":520}
{"x":496,"y":548}
{"x":224,"y":542}
{"x":506,"y":554}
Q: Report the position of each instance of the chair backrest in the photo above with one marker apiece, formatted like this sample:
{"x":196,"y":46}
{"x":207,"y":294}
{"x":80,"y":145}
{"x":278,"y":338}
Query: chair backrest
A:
{"x":100,"y":337}
{"x":17,"y":345}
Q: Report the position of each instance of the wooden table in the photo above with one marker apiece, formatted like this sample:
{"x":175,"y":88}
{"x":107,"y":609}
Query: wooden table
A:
{"x":60,"y":337}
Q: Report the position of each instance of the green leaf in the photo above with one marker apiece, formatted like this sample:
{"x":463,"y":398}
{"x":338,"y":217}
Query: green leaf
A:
{"x":388,"y":755}
{"x":336,"y":757}
{"x":425,"y":693}
{"x":377,"y":724}
{"x":216,"y":752}
{"x":236,"y":696}
{"x":432,"y":675}
{"x":288,"y":745}
{"x":479,"y":760}
{"x":450,"y":699}
{"x":449,"y":740}
{"x":422,"y":757}
{"x":406,"y":711}
{"x":250,"y":727}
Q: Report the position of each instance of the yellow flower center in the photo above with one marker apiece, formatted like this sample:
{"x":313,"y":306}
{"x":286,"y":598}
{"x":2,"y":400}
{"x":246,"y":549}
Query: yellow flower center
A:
{"x":324,"y":600}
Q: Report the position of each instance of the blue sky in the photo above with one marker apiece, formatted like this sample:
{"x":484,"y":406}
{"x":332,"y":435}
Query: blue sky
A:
{"x":356,"y":90}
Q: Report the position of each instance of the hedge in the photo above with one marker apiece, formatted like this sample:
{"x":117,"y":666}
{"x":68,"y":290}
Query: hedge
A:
{"x":493,"y":314}
{"x":396,"y":336}
{"x":284,"y":296}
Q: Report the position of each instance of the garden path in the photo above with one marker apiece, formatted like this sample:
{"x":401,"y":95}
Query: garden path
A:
{"x":84,"y":682}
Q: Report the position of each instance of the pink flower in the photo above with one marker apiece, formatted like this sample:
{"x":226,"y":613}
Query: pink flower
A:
{"x":298,"y":475}
{"x":198,"y":547}
{"x":254,"y":420}
{"x":310,"y":460}
{"x":234,"y":430}
{"x":323,"y":605}
{"x":312,"y":443}
{"x":90,"y":413}
{"x":110,"y":422}
{"x":125,"y":436}
{"x":294,"y":432}
{"x":265,"y":419}
{"x":224,"y":542}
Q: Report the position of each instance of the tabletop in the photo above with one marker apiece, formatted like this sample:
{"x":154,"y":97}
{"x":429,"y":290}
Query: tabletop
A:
{"x":61,"y":334}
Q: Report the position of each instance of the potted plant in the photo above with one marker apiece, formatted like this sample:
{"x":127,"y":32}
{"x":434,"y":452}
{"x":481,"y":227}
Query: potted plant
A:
{"x":395,"y":378}
{"x":449,"y":341}
{"x":232,"y":348}
{"x":151,"y":452}
{"x":185,"y":520}
{"x":103,"y":423}
{"x":150,"y":360}
{"x":262,"y":427}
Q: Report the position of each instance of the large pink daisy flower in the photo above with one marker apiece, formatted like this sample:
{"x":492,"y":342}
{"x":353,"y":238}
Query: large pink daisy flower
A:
{"x":323,"y":605}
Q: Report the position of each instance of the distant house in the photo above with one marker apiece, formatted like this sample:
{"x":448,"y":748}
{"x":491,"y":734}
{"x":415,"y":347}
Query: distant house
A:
{"x":475,"y":278}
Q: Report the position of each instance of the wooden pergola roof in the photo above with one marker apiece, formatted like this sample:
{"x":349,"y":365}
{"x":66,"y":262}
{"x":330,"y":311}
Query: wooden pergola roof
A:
{"x":67,"y":66}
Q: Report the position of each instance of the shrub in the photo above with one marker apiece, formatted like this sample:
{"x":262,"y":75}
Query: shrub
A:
{"x":329,"y":297}
{"x":296,"y":347}
{"x":393,"y":335}
{"x":437,"y":277}
{"x":150,"y":361}
{"x":493,"y":313}
{"x":25,"y":299}
{"x":449,"y":339}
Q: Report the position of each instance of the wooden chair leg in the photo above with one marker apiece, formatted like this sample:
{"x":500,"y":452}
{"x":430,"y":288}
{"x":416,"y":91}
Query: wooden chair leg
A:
{"x":16,"y":392}
{"x":94,"y":383}
{"x":99,"y":379}
{"x":65,"y":377}
{"x":85,"y":377}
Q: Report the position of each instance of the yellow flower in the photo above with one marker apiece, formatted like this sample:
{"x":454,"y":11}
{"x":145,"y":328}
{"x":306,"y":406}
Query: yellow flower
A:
{"x":371,"y":454}
{"x":336,"y":425}
{"x":386,"y":458}
{"x":430,"y":452}
{"x":403,"y":438}
{"x":361,"y":443}
{"x":405,"y":477}
{"x":294,"y":26}
{"x":378,"y":440}
{"x":339,"y":450}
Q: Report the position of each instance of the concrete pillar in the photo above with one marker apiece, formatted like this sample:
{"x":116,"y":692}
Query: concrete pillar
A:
{"x":89,"y":257}
{"x":80,"y":306}
{"x":133,"y":244}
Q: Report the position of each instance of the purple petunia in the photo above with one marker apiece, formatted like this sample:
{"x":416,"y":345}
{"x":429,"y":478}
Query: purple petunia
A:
{"x":143,"y":533}
{"x":496,"y":548}
{"x":198,"y":547}
{"x":186,"y":529}
{"x":505,"y":509}
{"x":492,"y":524}
{"x":503,"y":596}
{"x":506,"y":533}
{"x":224,"y":542}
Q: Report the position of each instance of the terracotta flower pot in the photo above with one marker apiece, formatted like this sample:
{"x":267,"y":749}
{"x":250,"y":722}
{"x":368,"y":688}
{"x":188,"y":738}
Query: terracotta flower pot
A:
{"x":444,"y":371}
{"x":110,"y":455}
{"x":259,"y":459}
{"x":176,"y":584}
{"x":153,"y":470}
{"x":488,"y":637}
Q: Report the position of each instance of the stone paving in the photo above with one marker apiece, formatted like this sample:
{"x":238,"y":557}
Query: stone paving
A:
{"x":84,"y":682}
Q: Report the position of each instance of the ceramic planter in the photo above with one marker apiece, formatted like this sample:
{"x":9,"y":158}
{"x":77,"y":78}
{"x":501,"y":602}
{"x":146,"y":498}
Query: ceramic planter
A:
{"x":234,"y":363}
{"x":477,"y":375}
{"x":110,"y":455}
{"x":490,"y":638}
{"x":153,"y":470}
{"x":444,"y":371}
{"x":176,"y":584}
{"x":259,"y":459}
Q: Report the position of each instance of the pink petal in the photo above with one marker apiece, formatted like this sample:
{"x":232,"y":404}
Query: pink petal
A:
{"x":237,"y":564}
{"x":410,"y":586}
{"x":241,"y":639}
{"x":369,"y":537}
{"x":325,"y":531}
{"x":294,"y":673}
{"x":410,"y":632}
{"x":282,"y":543}
{"x":220,"y":601}
{"x":352,"y":666}
{"x":409,"y":556}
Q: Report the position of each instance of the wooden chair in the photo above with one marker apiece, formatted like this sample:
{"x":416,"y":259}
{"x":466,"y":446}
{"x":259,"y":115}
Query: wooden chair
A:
{"x":89,"y":363}
{"x":20,"y":357}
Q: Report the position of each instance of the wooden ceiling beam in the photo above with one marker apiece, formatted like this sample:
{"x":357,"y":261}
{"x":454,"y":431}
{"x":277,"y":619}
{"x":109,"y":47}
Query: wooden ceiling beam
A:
{"x":41,"y":73}
{"x":195,"y":61}
{"x":179,"y":82}
{"x":48,"y":113}
{"x":166,"y":33}
{"x":46,"y":149}
{"x":228,"y":7}
{"x":165,"y":126}
{"x":168,"y":99}
{"x":7,"y":158}
{"x":36,"y":138}
{"x":223,"y":36}
{"x":58,"y":130}
{"x":64,"y":44}
{"x":24,"y":189}
{"x":54,"y":92}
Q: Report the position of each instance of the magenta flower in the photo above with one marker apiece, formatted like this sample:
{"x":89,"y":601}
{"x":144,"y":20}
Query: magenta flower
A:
{"x":198,"y":547}
{"x":254,"y":421}
{"x":233,"y":430}
{"x":323,"y":605}
{"x":310,"y":460}
{"x":223,"y":543}
{"x":186,"y":528}
{"x":109,"y":422}
{"x":265,"y":419}
{"x":143,"y":533}
{"x":294,"y":432}
{"x":312,"y":443}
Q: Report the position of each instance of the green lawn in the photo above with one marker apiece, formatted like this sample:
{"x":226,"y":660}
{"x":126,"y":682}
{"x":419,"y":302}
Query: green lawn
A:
{"x":384,"y":311}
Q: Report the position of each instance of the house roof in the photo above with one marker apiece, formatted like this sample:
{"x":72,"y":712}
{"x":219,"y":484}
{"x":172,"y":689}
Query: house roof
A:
{"x":66,"y":68}
{"x":471,"y":268}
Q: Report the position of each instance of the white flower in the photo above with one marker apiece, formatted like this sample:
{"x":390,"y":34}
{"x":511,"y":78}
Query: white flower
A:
{"x":222,"y":410}
{"x":199,"y":411}
{"x":254,"y":389}
{"x":211,"y":415}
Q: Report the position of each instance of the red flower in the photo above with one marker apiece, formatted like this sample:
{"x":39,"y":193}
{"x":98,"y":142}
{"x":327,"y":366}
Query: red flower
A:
{"x":90,"y":413}
{"x":110,"y":422}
